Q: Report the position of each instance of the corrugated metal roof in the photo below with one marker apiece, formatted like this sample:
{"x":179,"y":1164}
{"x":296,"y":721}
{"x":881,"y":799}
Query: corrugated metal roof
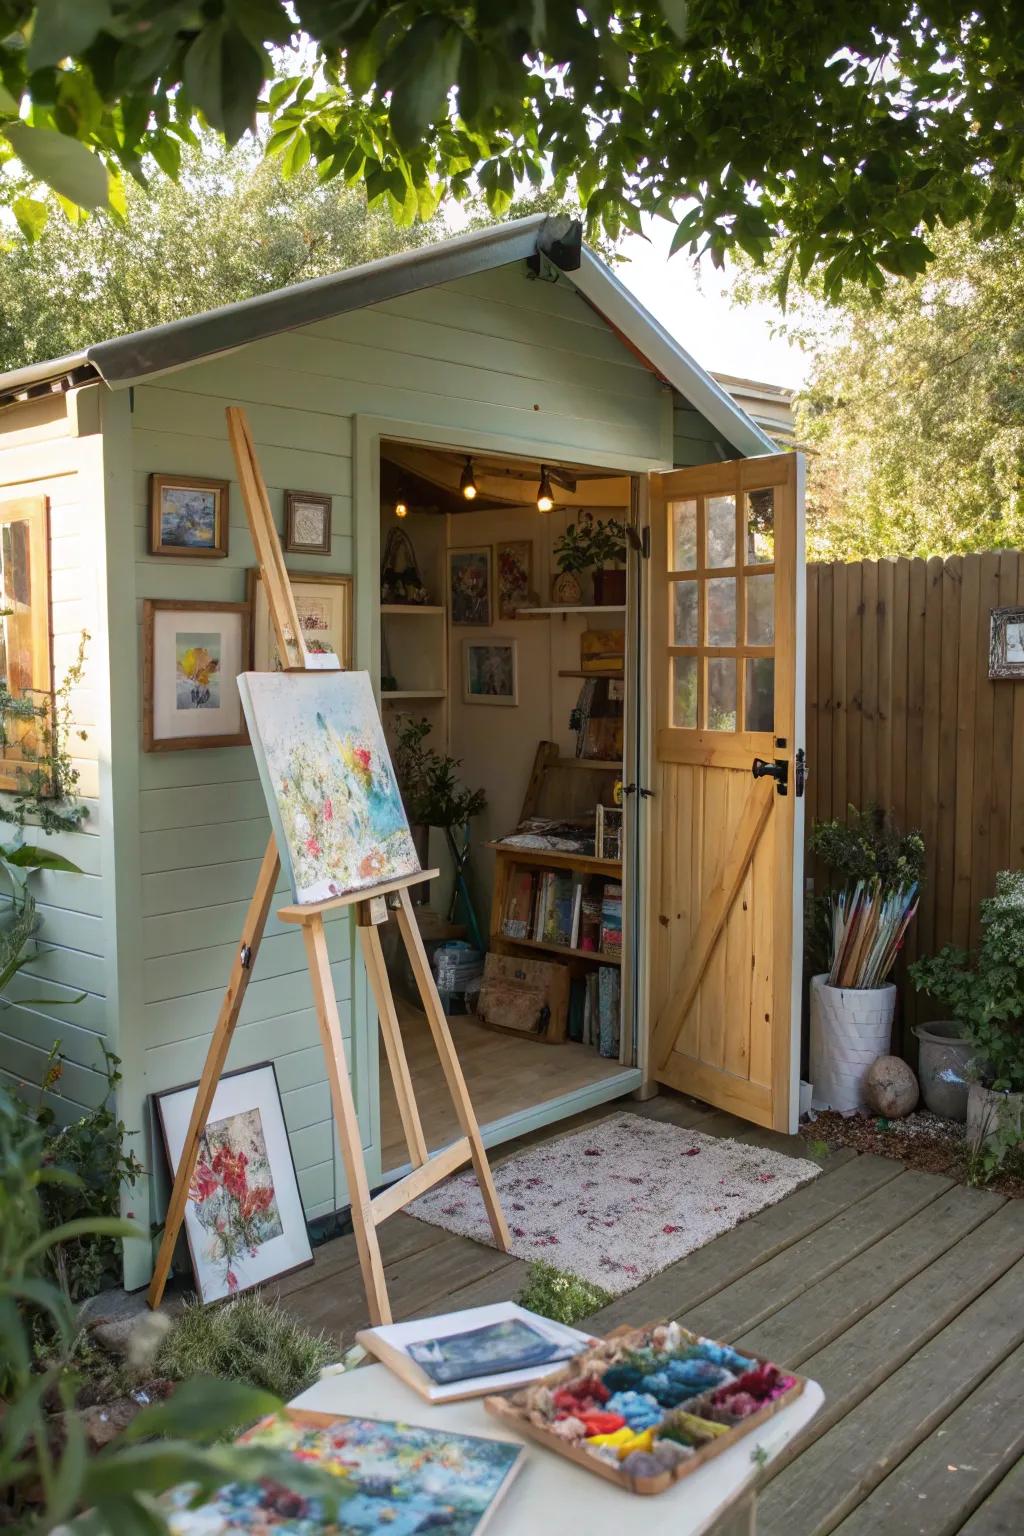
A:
{"x":125,"y":359}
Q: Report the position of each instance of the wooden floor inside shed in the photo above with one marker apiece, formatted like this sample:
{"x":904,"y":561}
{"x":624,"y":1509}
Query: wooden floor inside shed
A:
{"x":504,"y":1074}
{"x":899,"y":1291}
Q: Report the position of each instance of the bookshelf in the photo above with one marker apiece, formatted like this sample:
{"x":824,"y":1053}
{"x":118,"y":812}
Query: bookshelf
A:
{"x":538,"y":861}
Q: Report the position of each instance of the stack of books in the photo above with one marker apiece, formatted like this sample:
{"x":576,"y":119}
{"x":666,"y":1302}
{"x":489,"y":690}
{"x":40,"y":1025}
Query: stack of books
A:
{"x":611,"y":919}
{"x":544,"y":905}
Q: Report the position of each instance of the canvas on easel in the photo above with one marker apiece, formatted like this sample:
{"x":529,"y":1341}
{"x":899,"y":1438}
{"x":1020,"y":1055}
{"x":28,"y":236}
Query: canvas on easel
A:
{"x":343,"y":833}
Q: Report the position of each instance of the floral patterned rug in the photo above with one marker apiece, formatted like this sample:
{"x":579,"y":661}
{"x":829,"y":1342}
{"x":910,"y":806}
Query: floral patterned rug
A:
{"x":621,"y":1200}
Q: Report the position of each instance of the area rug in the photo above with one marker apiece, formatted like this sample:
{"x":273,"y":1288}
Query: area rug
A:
{"x":621,"y":1200}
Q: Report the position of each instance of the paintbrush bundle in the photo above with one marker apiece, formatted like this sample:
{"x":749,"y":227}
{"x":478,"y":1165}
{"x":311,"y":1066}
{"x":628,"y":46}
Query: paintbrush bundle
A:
{"x":869,"y":923}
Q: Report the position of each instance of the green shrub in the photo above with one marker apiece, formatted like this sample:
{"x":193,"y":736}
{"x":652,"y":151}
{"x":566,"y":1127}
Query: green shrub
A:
{"x":564,"y":1297}
{"x":247,"y":1339}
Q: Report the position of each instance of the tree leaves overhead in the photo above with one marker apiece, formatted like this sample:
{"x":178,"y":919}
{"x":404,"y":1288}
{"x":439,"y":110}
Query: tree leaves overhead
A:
{"x":797,"y":120}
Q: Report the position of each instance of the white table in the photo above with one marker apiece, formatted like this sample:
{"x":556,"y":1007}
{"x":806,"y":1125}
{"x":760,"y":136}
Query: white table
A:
{"x":548,"y":1492}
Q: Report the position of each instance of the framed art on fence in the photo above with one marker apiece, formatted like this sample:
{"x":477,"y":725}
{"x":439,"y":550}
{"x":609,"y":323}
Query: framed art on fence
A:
{"x":1006,"y":643}
{"x":244,"y":1219}
{"x":324,"y":603}
{"x":490,"y":672}
{"x":192,"y":654}
{"x":188,"y":517}
{"x":307,"y":523}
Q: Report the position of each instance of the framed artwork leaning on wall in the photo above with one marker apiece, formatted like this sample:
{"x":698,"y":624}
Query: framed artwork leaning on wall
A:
{"x":324,"y":603}
{"x":244,"y":1219}
{"x":192,"y":653}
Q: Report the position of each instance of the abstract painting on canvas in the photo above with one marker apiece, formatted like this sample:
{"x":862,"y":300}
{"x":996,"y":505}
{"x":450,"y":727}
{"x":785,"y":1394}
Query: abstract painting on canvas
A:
{"x":328,"y":780}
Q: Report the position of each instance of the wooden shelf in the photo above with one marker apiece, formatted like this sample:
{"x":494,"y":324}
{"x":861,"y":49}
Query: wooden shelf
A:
{"x":389,"y":609}
{"x":559,"y":949}
{"x":413,"y":693}
{"x":601,"y":764}
{"x":610,"y":676}
{"x":558,"y":858}
{"x":565,"y":608}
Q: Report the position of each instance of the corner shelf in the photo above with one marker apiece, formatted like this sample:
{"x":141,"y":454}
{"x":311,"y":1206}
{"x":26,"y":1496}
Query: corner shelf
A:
{"x":413,"y":693}
{"x":591,"y":676}
{"x":389,"y":610}
{"x":559,"y":949}
{"x":567,"y":608}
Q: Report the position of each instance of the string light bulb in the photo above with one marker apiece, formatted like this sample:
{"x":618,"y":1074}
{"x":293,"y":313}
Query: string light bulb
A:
{"x":467,"y":481}
{"x":401,"y":505}
{"x":545,"y":496}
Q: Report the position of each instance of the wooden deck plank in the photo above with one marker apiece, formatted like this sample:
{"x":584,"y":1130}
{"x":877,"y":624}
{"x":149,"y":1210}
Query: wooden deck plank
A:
{"x":754,"y":1242}
{"x":861,"y":1358}
{"x":1000,"y":1515}
{"x":835,"y":1474}
{"x":747,"y":1301}
{"x":501,"y":1284}
{"x":943,"y":1482}
{"x":400,"y":1237}
{"x":834,"y":1304}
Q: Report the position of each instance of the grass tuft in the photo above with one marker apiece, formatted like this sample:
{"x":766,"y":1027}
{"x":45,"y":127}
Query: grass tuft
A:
{"x":247,"y":1339}
{"x":564,"y":1297}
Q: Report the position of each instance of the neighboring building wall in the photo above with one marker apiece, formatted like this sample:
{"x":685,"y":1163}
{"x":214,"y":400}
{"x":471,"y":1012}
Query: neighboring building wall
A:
{"x":51,"y":447}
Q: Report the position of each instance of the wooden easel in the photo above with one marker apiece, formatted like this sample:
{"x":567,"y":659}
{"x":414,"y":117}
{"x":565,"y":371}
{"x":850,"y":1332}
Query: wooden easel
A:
{"x":372,"y":908}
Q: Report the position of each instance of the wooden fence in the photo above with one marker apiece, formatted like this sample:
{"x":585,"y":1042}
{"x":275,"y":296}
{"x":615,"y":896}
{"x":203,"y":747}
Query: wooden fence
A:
{"x":901,"y":712}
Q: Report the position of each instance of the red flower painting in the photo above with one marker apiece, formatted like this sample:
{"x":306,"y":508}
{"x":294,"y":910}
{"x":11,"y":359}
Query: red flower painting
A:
{"x":232,"y":1195}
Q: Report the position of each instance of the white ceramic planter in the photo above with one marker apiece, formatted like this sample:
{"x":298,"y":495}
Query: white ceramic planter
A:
{"x":850,"y":1029}
{"x":988,"y":1113}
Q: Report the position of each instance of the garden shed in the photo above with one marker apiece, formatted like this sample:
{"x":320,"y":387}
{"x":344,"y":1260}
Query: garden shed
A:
{"x":511,"y":361}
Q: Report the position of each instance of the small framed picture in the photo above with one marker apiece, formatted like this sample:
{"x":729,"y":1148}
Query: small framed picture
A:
{"x":192,"y":654}
{"x":324,"y":603}
{"x":469,"y":586}
{"x":514,"y":575}
{"x":490,"y":672}
{"x":608,"y":832}
{"x":1006,"y":643}
{"x":188,"y":517}
{"x":244,"y":1219}
{"x":307,"y":523}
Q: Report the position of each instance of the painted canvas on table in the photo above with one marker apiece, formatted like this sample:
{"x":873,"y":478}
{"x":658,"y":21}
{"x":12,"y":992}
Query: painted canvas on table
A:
{"x":327,"y":776}
{"x":469,"y":585}
{"x":390,"y":1479}
{"x":244,"y":1219}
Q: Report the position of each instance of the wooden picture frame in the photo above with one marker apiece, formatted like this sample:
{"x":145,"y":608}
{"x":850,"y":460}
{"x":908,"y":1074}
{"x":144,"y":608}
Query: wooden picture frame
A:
{"x":471,"y":586}
{"x":188,"y":517}
{"x":513,"y":576}
{"x":27,"y":632}
{"x":307,"y":522}
{"x":262,"y":652}
{"x":167,"y":645}
{"x":1006,"y":644}
{"x":289,"y":1189}
{"x":491,"y":678}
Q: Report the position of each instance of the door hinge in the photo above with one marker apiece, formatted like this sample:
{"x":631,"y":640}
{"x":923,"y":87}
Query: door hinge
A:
{"x":638,"y":789}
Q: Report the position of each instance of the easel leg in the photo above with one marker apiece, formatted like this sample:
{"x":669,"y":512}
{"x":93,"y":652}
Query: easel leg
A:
{"x":450,"y":1066}
{"x":390,"y":1029}
{"x":364,"y":1227}
{"x":220,"y":1041}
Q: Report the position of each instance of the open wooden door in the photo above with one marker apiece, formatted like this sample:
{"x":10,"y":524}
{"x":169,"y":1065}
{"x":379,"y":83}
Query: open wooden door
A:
{"x":727,"y":670}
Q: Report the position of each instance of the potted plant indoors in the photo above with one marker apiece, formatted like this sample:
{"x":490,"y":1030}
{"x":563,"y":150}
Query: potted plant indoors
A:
{"x":858,"y":927}
{"x":985,"y":992}
{"x":431,"y":792}
{"x":608,"y":557}
{"x":572,"y":556}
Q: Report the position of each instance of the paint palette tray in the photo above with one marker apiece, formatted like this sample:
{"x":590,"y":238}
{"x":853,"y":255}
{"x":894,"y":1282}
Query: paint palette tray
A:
{"x":648,"y":1406}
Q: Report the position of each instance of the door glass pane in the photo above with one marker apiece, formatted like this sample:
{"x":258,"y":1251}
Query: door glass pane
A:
{"x":721,"y":591}
{"x":760,"y":518}
{"x":721,"y":512}
{"x":759,"y":702}
{"x":682,"y":553}
{"x":721,"y":693}
{"x":761,"y":609}
{"x":684,"y":691}
{"x":684,"y":613}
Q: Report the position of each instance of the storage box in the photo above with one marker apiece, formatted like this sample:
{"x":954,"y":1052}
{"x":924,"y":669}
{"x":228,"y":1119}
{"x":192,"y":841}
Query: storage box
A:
{"x":525,"y":997}
{"x":602,"y":651}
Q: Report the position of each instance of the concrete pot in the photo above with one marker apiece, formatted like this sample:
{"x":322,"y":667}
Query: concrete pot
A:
{"x":850,"y":1028}
{"x":943,"y":1067}
{"x":989,"y":1113}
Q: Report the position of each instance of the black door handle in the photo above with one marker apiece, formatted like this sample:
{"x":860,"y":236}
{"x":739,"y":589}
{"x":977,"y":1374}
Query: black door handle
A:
{"x":779,"y":771}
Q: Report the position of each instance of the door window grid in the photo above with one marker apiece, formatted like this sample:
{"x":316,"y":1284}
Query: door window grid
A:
{"x":721,"y":621}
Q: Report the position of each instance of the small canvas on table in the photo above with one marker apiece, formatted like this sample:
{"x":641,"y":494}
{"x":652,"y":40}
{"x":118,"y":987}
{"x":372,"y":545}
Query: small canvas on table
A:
{"x":328,"y":780}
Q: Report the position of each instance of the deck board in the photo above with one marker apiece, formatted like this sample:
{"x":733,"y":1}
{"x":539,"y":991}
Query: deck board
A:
{"x":900,"y":1292}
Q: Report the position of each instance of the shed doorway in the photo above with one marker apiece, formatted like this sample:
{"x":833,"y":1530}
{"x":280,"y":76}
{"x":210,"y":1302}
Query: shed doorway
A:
{"x":531,"y":682}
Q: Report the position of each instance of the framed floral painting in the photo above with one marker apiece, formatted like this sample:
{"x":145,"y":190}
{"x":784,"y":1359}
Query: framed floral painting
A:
{"x":244,"y":1220}
{"x":469,"y":585}
{"x":324,"y":603}
{"x":514,"y":562}
{"x":192,"y":654}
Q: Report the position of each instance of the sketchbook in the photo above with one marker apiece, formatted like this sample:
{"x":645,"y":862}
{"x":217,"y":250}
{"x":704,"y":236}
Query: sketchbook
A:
{"x":474,"y":1352}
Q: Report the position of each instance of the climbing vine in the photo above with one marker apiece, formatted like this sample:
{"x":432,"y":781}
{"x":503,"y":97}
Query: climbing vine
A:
{"x":47,"y":776}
